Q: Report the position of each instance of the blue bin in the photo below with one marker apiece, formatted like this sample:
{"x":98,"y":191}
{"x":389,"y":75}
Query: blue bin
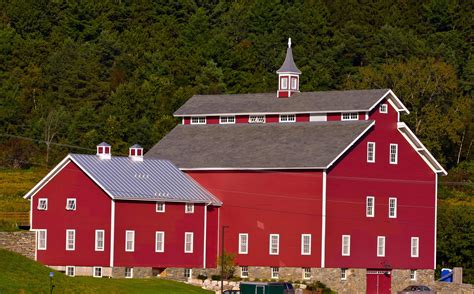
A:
{"x":446,"y":275}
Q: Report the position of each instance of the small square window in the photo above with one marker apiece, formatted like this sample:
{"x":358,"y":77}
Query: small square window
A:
{"x":306,"y":273}
{"x":160,"y":207}
{"x":43,"y":204}
{"x":71,"y":204}
{"x":413,"y":275}
{"x":189,"y":208}
{"x":129,"y":272}
{"x":383,"y":108}
{"x":188,"y":273}
{"x":256,"y":119}
{"x":70,"y":271}
{"x":97,"y":272}
{"x":343,"y":274}
{"x":275,"y":272}
{"x":244,"y":271}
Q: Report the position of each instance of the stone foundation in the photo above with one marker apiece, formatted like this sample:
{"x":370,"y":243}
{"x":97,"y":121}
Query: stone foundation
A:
{"x":19,"y":242}
{"x":401,"y":279}
{"x":84,"y":270}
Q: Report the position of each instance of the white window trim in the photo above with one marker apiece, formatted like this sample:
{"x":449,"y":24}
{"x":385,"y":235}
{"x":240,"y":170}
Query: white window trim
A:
{"x":157,"y":204}
{"x":382,"y":106}
{"x":73,"y":240}
{"x":131,"y":273}
{"x":191,"y":243}
{"x":417,"y":254}
{"x":395,"y":207}
{"x":226,"y":122}
{"x":294,"y":79}
{"x":284,"y":118}
{"x":302,"y":244}
{"x":254,"y":119}
{"x":190,"y":273}
{"x":101,"y":272}
{"x":97,"y":248}
{"x":162,"y":249}
{"x":132,"y":239}
{"x":343,"y":274}
{"x":396,"y":154}
{"x":45,"y":239}
{"x":73,"y":270}
{"x":352,"y":116}
{"x":373,"y":152}
{"x":304,"y":273}
{"x":67,"y":204}
{"x":191,"y":206}
{"x":277,"y":271}
{"x":381,"y":239}
{"x":414,"y":275}
{"x":284,"y":80}
{"x":348,"y":253}
{"x":46,"y":203}
{"x":198,"y":121}
{"x":246,"y":251}
{"x":367,"y":206}
{"x":242,"y":272}
{"x":277,"y":246}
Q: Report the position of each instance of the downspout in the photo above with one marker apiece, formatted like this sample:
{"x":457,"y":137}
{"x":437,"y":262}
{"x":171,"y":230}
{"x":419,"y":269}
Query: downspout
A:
{"x":204,"y":250}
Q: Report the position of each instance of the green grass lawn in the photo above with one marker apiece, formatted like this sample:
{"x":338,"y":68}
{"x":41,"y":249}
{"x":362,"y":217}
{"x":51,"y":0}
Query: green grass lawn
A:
{"x":19,"y":274}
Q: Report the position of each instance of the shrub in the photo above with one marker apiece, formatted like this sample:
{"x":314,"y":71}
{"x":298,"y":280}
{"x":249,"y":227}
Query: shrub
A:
{"x":202,"y":277}
{"x":216,"y":277}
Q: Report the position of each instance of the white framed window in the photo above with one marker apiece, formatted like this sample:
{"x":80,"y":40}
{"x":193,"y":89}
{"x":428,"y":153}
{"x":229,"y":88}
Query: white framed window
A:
{"x":99,"y":240}
{"x":274,"y":244}
{"x":129,"y":272}
{"x":256,"y":119}
{"x":243,"y":243}
{"x":415,"y":242}
{"x":350,"y":116}
{"x":306,"y":273}
{"x":43,"y":204}
{"x":71,"y":204}
{"x":198,"y":120}
{"x":413,"y":275}
{"x":160,"y":242}
{"x":42,"y":239}
{"x":287,"y":118}
{"x":129,"y":241}
{"x":97,"y":272}
{"x":244,"y":271}
{"x":294,"y":83}
{"x":160,"y":207}
{"x":188,"y":273}
{"x":381,"y":246}
{"x":275,"y":272}
{"x":227,"y":120}
{"x":343,"y":274}
{"x":370,"y":151}
{"x":70,"y":270}
{"x":70,"y":240}
{"x":392,"y":207}
{"x":189,"y":208}
{"x":284,"y":83}
{"x":188,"y":242}
{"x":346,"y":245}
{"x":393,"y":153}
{"x":370,"y":206}
{"x":305,"y":244}
{"x":383,"y":108}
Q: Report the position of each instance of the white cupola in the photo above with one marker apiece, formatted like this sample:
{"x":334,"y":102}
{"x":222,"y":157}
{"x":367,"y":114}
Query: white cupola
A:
{"x":288,"y":75}
{"x":136,"y":152}
{"x":103,"y":151}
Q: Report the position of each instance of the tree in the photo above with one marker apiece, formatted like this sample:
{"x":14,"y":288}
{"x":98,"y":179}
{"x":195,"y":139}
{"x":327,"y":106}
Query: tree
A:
{"x":229,"y":265}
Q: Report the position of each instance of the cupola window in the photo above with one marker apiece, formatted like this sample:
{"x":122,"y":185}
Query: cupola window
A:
{"x":136,"y":152}
{"x":104,"y":151}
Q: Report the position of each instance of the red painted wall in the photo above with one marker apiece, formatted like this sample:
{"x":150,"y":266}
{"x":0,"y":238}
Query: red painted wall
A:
{"x":302,"y":117}
{"x":411,"y":181}
{"x":263,"y":203}
{"x":242,"y":119}
{"x":186,"y":121}
{"x":272,"y":118}
{"x":212,"y":120}
{"x":92,"y":213}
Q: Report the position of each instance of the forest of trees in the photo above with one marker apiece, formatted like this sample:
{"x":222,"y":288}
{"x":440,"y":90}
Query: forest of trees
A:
{"x":75,"y":73}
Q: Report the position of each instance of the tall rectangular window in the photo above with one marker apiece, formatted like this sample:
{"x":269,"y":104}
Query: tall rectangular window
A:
{"x":227,"y":120}
{"x":188,"y":242}
{"x":370,"y":206}
{"x":380,"y":246}
{"x":99,"y":240}
{"x":346,"y":245}
{"x":287,"y":118}
{"x":415,"y":246}
{"x":350,"y":116}
{"x":274,"y":244}
{"x":370,"y":151}
{"x":198,"y":120}
{"x":71,"y":204}
{"x":294,"y":83}
{"x":413,"y":275}
{"x":306,"y":244}
{"x":160,"y":207}
{"x":393,"y":153}
{"x":343,"y":274}
{"x":189,"y":208}
{"x":284,"y":83}
{"x":42,"y":239}
{"x":275,"y":272}
{"x":244,"y":271}
{"x":256,"y":119}
{"x":160,"y":242}
{"x":306,"y":273}
{"x":243,"y":243}
{"x":129,"y":241}
{"x":392,"y":207}
{"x":70,"y":240}
{"x":42,"y":204}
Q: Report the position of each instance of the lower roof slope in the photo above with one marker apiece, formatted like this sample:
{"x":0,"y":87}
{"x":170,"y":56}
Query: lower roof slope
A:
{"x":263,"y":146}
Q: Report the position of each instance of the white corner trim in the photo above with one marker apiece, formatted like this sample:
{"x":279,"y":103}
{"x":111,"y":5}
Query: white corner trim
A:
{"x":323,"y":222}
{"x":48,"y":177}
{"x":112,"y":231}
{"x":435,"y":220}
{"x":205,"y":237}
{"x":399,"y":108}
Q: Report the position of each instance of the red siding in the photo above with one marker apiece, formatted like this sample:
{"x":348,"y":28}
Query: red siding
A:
{"x":92,"y":213}
{"x":272,"y":118}
{"x":352,"y":179}
{"x":302,"y":117}
{"x":263,"y":203}
{"x":242,"y":119}
{"x":333,"y":116}
{"x":212,"y":120}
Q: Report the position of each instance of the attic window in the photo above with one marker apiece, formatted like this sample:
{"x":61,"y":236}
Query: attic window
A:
{"x":198,"y":120}
{"x":42,"y":204}
{"x":71,"y":204}
{"x":383,"y":108}
{"x":350,"y":116}
{"x":256,"y":119}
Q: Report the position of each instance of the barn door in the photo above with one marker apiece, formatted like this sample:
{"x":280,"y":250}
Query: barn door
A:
{"x":379,"y":282}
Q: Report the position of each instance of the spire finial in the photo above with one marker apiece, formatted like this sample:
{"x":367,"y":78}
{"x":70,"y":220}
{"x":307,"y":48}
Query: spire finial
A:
{"x":289,"y":42}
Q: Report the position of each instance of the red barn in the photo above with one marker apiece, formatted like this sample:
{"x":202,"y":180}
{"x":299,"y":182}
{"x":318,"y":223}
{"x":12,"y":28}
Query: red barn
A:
{"x":327,"y":186}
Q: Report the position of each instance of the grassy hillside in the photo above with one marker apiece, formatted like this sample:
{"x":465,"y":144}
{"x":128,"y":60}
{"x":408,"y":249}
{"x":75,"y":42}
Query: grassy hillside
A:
{"x":19,"y":274}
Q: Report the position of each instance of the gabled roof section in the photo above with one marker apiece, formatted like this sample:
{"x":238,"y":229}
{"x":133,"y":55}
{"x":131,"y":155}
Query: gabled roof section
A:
{"x":309,"y":145}
{"x":304,"y":102}
{"x":421,"y":149}
{"x":124,"y":179}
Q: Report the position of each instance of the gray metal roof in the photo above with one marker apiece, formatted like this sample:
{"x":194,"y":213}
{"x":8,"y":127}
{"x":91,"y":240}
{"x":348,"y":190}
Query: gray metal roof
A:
{"x":262,"y":146}
{"x":150,"y":179}
{"x":304,"y":102}
{"x":289,"y":64}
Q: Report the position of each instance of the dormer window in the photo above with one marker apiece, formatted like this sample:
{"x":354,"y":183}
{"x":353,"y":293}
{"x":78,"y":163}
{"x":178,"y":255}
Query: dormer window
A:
{"x":43,"y":204}
{"x":198,"y":120}
{"x":383,"y":108}
{"x":256,"y":119}
{"x":103,"y":150}
{"x":71,"y":204}
{"x":287,"y":118}
{"x":350,"y":116}
{"x":136,"y":152}
{"x":227,"y":120}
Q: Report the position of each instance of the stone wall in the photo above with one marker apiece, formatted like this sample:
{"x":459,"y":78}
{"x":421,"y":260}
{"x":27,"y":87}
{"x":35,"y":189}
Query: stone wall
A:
{"x":453,"y":288}
{"x":22,"y":242}
{"x":401,"y":279}
{"x":138,"y":272}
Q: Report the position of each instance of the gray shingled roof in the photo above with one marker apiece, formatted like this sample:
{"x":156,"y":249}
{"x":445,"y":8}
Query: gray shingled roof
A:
{"x":304,"y":102}
{"x":150,"y":179}
{"x":263,"y":146}
{"x":289,"y":64}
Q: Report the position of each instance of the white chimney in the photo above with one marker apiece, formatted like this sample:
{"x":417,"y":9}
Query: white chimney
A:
{"x":136,"y":152}
{"x":103,"y":151}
